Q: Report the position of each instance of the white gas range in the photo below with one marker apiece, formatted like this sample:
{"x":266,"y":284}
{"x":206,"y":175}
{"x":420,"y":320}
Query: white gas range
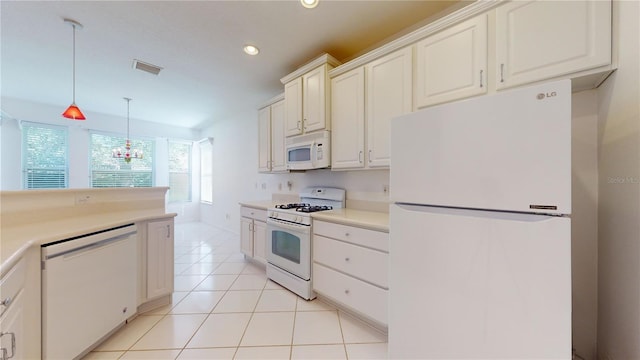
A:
{"x":289,"y":238}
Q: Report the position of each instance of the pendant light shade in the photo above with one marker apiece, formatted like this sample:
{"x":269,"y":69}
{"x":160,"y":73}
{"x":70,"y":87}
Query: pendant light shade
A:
{"x":73,"y":111}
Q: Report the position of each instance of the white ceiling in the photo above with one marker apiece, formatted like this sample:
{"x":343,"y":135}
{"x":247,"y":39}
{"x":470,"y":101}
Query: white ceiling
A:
{"x":206,"y":75}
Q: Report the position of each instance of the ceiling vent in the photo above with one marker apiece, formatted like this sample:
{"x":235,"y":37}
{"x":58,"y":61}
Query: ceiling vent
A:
{"x":150,"y":68}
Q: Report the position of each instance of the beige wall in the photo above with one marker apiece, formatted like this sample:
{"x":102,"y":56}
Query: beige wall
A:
{"x":584,"y":222}
{"x":619,"y":197}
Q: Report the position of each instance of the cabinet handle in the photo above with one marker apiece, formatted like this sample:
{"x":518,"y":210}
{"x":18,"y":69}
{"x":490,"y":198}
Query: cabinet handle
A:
{"x":481,"y":78}
{"x":251,"y":227}
{"x":360,"y":156}
{"x":298,"y":126}
{"x":304,"y":126}
{"x":6,"y":302}
{"x":168,"y":231}
{"x":501,"y":73}
{"x":369,"y":155}
{"x":13,"y":345}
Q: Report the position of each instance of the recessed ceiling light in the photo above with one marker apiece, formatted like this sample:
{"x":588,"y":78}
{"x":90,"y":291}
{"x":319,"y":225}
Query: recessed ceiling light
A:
{"x":251,"y":50}
{"x":309,"y":4}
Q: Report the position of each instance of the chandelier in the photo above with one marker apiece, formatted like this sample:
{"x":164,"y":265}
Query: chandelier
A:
{"x":127,"y":154}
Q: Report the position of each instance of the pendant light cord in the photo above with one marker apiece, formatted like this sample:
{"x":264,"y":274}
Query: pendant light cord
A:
{"x":74,"y":63}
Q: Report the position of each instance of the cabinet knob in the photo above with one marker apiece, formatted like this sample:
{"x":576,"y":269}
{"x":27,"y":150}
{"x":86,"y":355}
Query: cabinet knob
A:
{"x":346,"y":259}
{"x":6,"y":302}
{"x":346,"y":234}
{"x":346,"y":291}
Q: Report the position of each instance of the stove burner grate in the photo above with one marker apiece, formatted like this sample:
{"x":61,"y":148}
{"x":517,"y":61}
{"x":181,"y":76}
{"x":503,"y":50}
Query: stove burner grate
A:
{"x":310,"y":209}
{"x":292,"y":206}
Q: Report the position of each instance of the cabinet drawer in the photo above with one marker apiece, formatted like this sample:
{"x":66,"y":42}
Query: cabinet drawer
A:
{"x":254,"y":213}
{"x":11,"y":284}
{"x":368,"y":238}
{"x":364,"y":298}
{"x":366,"y":264}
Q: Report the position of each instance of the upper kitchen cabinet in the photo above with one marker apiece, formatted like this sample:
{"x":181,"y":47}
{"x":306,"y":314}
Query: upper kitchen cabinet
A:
{"x":264,"y":139}
{"x":306,"y":97}
{"x":388,"y":94}
{"x":538,"y":40}
{"x":361,"y":115}
{"x":271,"y":130}
{"x":452,"y":64}
{"x":347,"y":118}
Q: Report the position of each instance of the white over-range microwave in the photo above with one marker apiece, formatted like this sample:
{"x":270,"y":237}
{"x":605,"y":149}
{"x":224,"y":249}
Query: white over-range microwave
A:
{"x":309,"y":151}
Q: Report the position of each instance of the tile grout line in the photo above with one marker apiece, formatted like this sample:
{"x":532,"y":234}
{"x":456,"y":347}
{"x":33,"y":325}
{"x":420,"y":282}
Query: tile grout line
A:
{"x":250,"y":318}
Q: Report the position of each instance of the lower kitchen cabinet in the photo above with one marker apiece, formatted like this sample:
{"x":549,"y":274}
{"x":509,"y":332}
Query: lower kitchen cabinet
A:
{"x":20,"y":309}
{"x":253,"y":233}
{"x":157,"y":242}
{"x":350,"y":267}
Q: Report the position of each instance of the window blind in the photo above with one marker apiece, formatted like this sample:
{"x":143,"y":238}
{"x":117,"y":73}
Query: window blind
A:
{"x":206,"y":170}
{"x":45,"y":154}
{"x":107,"y":171}
{"x":179,"y":171}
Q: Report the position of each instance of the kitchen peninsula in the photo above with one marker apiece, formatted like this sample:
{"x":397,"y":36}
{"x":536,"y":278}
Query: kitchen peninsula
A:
{"x":36,"y":218}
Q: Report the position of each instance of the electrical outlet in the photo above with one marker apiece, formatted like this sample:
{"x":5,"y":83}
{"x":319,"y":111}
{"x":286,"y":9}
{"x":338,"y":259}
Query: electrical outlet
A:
{"x":83,"y":199}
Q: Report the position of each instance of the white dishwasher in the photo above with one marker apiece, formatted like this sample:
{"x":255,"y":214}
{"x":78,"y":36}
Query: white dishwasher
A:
{"x":89,"y":287}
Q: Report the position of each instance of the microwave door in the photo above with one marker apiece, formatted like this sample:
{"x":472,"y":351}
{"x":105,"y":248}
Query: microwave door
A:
{"x":301,"y":156}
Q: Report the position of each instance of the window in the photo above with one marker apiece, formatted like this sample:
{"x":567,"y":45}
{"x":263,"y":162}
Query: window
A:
{"x":206,"y":170}
{"x":45,"y":154}
{"x":107,"y":171}
{"x":179,"y":171}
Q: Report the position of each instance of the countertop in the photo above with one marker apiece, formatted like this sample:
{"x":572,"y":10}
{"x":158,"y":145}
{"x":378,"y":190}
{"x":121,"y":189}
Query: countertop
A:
{"x":17,"y":239}
{"x":261,"y":205}
{"x":372,"y":220}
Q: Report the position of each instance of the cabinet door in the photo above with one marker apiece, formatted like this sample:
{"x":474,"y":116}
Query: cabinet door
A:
{"x":259,"y":241}
{"x":246,"y":236}
{"x":12,"y":328}
{"x":159,"y":258}
{"x":452,"y":64}
{"x":389,"y":94}
{"x":264,"y":139}
{"x":293,"y":107}
{"x":278,"y":158}
{"x":537,"y":40}
{"x":347,"y":117}
{"x":314,"y":97}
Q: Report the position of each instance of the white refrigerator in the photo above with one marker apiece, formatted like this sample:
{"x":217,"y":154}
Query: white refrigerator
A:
{"x":480,"y":228}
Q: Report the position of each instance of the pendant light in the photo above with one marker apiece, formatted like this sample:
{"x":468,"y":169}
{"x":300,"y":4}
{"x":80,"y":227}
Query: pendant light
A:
{"x":127,"y":154}
{"x":73,"y":112}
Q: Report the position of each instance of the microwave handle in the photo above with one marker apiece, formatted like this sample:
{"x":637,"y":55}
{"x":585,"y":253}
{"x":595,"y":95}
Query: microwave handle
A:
{"x":302,"y":145}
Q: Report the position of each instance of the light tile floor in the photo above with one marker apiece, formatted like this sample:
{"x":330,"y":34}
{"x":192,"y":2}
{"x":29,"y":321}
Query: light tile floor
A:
{"x":225,"y":308}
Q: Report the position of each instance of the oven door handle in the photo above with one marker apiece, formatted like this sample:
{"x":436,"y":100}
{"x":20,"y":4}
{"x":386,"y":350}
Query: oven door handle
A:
{"x":286,"y":225}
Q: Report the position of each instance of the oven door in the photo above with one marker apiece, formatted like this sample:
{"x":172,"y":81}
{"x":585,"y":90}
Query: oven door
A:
{"x":289,"y":247}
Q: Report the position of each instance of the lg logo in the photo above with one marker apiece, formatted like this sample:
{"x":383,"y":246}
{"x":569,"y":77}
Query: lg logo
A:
{"x":542,"y":96}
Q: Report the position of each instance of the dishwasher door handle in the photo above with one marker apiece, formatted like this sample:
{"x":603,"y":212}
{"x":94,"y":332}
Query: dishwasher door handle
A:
{"x":89,"y":247}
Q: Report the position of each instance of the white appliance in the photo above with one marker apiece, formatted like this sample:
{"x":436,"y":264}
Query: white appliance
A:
{"x":309,"y":151}
{"x":88,"y":289}
{"x":480,"y":234}
{"x":289,"y":238}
